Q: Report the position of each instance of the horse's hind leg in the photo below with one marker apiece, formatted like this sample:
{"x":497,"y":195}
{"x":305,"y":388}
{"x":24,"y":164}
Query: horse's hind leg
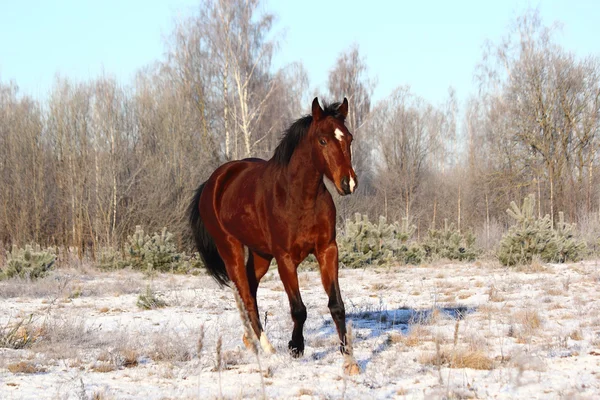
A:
{"x":232,"y":253}
{"x":256,"y":267}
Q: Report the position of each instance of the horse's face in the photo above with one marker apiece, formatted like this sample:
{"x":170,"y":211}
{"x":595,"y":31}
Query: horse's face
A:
{"x":332,"y":152}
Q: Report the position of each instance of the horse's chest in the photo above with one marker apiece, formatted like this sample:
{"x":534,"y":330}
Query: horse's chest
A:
{"x":303,"y":238}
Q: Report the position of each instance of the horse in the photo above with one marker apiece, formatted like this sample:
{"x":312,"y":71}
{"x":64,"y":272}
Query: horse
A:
{"x":280,"y":208}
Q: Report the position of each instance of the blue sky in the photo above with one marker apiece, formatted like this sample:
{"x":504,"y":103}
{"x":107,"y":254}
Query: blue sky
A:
{"x":429,"y":45}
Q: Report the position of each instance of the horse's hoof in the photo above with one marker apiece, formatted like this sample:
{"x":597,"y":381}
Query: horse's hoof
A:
{"x":351,"y":367}
{"x":266,"y":345}
{"x":296,"y":351}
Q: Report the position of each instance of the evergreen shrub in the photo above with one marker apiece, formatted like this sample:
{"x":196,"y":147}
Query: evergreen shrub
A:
{"x":530,"y":236}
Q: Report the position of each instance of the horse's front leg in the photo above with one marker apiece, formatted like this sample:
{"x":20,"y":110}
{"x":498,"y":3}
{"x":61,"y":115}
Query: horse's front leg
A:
{"x":288,"y":271}
{"x":328,"y":262}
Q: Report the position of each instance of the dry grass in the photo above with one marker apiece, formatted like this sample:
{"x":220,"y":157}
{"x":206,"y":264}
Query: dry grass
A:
{"x":100,"y":396}
{"x":395,"y":337}
{"x":304,"y":280}
{"x":104,"y":367}
{"x":105,"y":356}
{"x":124,"y":357}
{"x":62,"y":285}
{"x":170,"y":347}
{"x":472,"y":359}
{"x":379,"y":286}
{"x":25,"y":367}
{"x":554,"y":291}
{"x":19,"y":334}
{"x":416,"y":336}
{"x":430,"y":317}
{"x":305,"y":392}
{"x":529,"y":322}
{"x":576,"y":335}
{"x":459,"y":358}
{"x":76,"y":363}
{"x":535,"y":267}
{"x":200,"y":342}
{"x":53,"y":286}
{"x":529,"y":319}
{"x":129,"y":358}
{"x":64,"y":336}
{"x":495,"y":295}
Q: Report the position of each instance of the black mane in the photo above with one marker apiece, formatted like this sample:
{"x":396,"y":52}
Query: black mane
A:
{"x":296,"y":132}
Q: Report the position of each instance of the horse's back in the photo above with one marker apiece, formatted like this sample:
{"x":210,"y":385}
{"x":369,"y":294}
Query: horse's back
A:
{"x":234,"y":175}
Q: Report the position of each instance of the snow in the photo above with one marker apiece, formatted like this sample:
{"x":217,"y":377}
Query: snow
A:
{"x":540,"y":329}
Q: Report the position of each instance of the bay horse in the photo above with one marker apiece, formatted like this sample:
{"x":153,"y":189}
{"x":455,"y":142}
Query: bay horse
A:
{"x":279,"y":208}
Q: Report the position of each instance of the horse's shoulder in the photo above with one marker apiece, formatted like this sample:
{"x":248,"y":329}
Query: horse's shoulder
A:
{"x":326,"y":206}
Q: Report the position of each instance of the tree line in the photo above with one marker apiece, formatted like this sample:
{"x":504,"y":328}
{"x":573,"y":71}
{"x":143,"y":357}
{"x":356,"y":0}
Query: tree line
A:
{"x":86,"y":165}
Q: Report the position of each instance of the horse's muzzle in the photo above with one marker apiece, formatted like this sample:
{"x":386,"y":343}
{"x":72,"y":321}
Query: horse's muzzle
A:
{"x":348,"y":185}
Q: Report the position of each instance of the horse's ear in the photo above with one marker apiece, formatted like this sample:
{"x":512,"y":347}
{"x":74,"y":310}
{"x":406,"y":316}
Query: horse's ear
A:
{"x":343,"y":108}
{"x":317,"y":111}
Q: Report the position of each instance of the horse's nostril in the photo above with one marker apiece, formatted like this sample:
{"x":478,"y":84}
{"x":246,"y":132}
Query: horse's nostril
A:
{"x":345,"y":183}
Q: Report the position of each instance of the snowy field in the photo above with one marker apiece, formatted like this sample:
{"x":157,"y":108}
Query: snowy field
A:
{"x":436,"y":331}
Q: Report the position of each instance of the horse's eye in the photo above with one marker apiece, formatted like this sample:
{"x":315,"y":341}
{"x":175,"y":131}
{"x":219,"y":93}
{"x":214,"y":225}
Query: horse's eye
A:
{"x":323,"y":141}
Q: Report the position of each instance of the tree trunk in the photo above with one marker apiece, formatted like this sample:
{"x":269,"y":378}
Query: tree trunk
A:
{"x":552,"y":200}
{"x":487,"y":221}
{"x":458,"y":227}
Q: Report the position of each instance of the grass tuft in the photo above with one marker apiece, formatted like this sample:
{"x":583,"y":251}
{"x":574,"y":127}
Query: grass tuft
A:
{"x":20,"y":334}
{"x":149,"y":300}
{"x":459,"y":358}
{"x":25,"y":367}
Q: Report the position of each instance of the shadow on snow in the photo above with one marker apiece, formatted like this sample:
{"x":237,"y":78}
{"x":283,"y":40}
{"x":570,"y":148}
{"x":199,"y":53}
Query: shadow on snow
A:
{"x":373,"y":323}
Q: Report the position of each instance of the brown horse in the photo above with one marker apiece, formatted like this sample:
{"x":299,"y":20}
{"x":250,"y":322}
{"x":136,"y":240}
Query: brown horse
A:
{"x":279,"y":209}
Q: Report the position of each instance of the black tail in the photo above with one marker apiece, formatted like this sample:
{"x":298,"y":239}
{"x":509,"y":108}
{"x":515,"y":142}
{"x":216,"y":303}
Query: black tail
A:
{"x":205,"y":243}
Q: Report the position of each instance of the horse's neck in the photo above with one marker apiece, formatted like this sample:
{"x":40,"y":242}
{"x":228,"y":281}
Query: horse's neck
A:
{"x":303,"y":178}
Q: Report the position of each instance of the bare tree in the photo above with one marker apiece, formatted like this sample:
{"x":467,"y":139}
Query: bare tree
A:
{"x":406,"y":129}
{"x":546,"y":95}
{"x":349,"y":78}
{"x":23,"y":167}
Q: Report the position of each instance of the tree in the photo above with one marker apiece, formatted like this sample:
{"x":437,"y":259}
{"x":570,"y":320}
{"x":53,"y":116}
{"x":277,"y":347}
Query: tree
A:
{"x":349,"y":78}
{"x":548,"y":104}
{"x":406,"y":129}
{"x":23,"y":167}
{"x":235,"y":38}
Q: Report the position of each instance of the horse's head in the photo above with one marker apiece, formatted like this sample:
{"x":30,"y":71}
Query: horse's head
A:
{"x":331,"y":143}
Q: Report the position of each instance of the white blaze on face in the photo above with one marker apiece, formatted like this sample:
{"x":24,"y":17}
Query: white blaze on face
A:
{"x":352,"y":185}
{"x":338,"y":134}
